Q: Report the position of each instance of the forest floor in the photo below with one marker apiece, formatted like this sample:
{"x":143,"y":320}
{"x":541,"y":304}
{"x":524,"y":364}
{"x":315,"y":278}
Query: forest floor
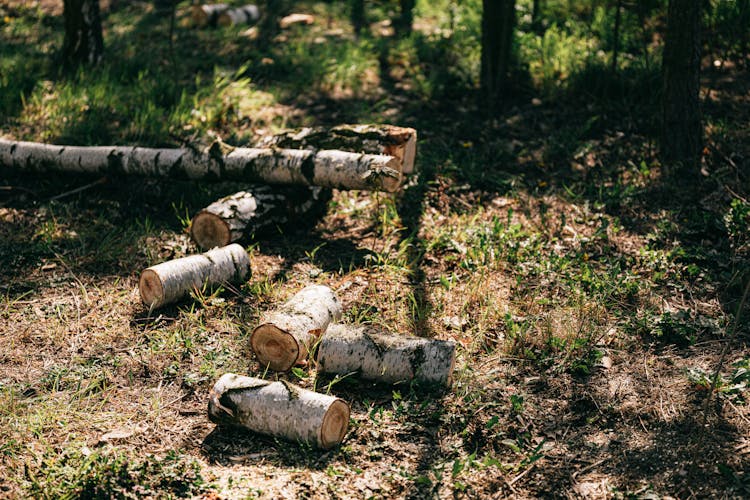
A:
{"x":593,"y":301}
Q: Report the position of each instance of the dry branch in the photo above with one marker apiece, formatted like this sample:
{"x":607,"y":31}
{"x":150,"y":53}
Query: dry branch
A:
{"x":172,"y":280}
{"x":249,"y":14}
{"x":247,"y":212}
{"x":399,"y":142}
{"x":385,"y":357}
{"x":330,"y":168}
{"x":279,"y":409}
{"x":287,"y":334}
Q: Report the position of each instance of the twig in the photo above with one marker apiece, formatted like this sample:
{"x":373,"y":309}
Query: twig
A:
{"x":78,"y":189}
{"x":513,"y":481}
{"x":589,"y":467}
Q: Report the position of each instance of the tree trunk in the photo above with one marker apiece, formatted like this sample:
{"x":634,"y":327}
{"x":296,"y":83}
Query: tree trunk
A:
{"x":249,"y":14}
{"x":334,"y":169}
{"x":172,"y":280}
{"x":245,"y":213}
{"x":279,"y":409}
{"x":681,"y":132}
{"x":399,"y":142}
{"x":286,"y":335}
{"x":386,"y":358}
{"x":498,"y":24}
{"x":405,"y":20}
{"x":358,"y":15}
{"x":83,"y":42}
{"x":616,"y":34}
{"x":268,"y":27}
{"x":207,"y":15}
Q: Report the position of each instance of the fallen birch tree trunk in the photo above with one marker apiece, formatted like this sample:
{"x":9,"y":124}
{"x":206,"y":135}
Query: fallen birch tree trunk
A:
{"x":383,"y":357}
{"x":399,"y":142}
{"x":286,"y":335}
{"x":330,"y":168}
{"x":172,"y":280}
{"x":279,"y":409}
{"x":207,"y":15}
{"x":249,"y":14}
{"x":247,"y":212}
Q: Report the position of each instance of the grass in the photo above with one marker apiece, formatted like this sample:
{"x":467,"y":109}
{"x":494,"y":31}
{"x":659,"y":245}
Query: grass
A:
{"x":589,"y":298}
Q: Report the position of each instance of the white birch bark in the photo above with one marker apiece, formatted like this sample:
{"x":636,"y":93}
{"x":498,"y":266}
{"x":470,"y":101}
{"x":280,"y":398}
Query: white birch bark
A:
{"x":244,"y":213}
{"x":399,"y":142}
{"x":279,"y":409}
{"x":207,"y":15}
{"x":286,"y":335}
{"x":172,"y":280}
{"x":249,"y":14}
{"x":383,"y":357}
{"x":334,"y":169}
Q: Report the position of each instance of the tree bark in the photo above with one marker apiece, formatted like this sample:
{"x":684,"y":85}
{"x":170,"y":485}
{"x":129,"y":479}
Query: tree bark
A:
{"x":286,"y":335}
{"x":616,"y":35}
{"x":268,"y":26}
{"x":681,"y":130}
{"x":405,"y":21}
{"x":83,"y":43}
{"x":334,"y":169}
{"x":382,"y":357}
{"x":279,"y":409}
{"x":399,"y":142}
{"x":358,"y":15}
{"x":207,"y":15}
{"x":498,"y":24}
{"x":173,"y":280}
{"x":249,"y":14}
{"x":245,"y":213}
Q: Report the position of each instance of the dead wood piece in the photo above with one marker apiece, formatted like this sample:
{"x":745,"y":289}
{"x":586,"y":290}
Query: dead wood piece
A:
{"x":385,"y":357}
{"x":293,"y":19}
{"x":172,"y":280}
{"x":249,"y":14}
{"x":286,"y":335}
{"x":247,"y":212}
{"x":279,"y":409}
{"x":207,"y":15}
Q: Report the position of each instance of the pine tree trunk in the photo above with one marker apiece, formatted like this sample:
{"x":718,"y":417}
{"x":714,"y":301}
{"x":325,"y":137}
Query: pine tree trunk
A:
{"x":358,"y":15}
{"x":279,"y":409}
{"x":681,"y":132}
{"x":498,"y":24}
{"x":286,"y":335}
{"x":207,"y":15}
{"x":399,"y":142}
{"x":382,"y":357}
{"x":405,"y":20}
{"x":334,"y":169}
{"x":83,"y":43}
{"x":243,"y":214}
{"x":173,"y":280}
{"x":249,"y":14}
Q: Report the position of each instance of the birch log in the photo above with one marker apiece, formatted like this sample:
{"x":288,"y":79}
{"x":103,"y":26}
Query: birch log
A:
{"x":287,"y":334}
{"x":207,"y":15}
{"x":279,"y":409}
{"x":172,"y":280}
{"x":249,"y":14}
{"x":329,"y":168}
{"x":247,"y":212}
{"x":384,"y":357}
{"x":399,"y":142}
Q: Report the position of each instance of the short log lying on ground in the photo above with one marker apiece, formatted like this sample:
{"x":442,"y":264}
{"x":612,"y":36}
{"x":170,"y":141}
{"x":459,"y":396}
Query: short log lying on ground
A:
{"x":292,"y":19}
{"x":279,"y":409}
{"x":330,"y":168}
{"x":399,"y":142}
{"x":286,"y":335}
{"x":172,"y":280}
{"x":249,"y":14}
{"x":384,"y":357}
{"x":247,"y":212}
{"x":207,"y":15}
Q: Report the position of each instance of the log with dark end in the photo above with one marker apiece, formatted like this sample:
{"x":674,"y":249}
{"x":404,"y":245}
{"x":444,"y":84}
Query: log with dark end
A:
{"x":207,"y":15}
{"x":173,"y":280}
{"x":384,"y":357}
{"x":286,"y":335}
{"x":279,"y":409}
{"x":249,"y":14}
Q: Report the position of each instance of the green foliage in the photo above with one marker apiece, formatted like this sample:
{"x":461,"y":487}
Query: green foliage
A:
{"x":737,"y":221}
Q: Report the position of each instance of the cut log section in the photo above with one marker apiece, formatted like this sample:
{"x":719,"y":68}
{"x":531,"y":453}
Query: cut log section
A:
{"x":286,"y":335}
{"x":172,"y":280}
{"x":399,"y":142}
{"x":292,"y":19}
{"x":249,"y":14}
{"x":245,"y":213}
{"x":279,"y":409}
{"x":330,"y":168}
{"x":207,"y":15}
{"x":384,"y":357}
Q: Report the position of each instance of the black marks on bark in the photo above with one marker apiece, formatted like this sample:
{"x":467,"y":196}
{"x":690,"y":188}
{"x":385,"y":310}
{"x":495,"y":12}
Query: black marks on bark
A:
{"x":114,"y":162}
{"x":417,"y":359}
{"x":308,"y":168}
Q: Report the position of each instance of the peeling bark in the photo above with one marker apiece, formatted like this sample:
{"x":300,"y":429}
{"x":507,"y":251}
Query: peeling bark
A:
{"x":287,"y":334}
{"x":172,"y":280}
{"x":334,"y":169}
{"x":382,"y":357}
{"x":245,"y":213}
{"x":279,"y":409}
